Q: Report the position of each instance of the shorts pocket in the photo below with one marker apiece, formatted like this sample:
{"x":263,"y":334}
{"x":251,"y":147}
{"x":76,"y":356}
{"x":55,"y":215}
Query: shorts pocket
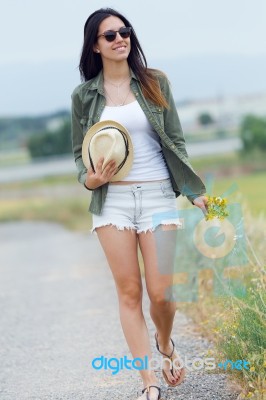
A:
{"x":167,"y":191}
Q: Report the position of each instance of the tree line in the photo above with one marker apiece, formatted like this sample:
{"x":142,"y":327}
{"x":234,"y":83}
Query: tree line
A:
{"x":58,"y":141}
{"x":42,"y":140}
{"x":51,"y":142}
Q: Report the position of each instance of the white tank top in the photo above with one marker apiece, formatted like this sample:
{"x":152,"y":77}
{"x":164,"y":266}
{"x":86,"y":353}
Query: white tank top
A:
{"x":148,"y":161}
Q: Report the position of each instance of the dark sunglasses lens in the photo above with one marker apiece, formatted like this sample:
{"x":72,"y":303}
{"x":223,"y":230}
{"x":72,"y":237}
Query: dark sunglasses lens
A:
{"x":125,"y":32}
{"x":110,"y":36}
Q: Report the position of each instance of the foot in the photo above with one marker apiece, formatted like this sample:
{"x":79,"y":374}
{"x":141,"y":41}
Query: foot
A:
{"x":151,"y":392}
{"x":173,"y":374}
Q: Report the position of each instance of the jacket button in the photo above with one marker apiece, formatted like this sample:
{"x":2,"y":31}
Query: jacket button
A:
{"x":136,"y":94}
{"x":172,"y":146}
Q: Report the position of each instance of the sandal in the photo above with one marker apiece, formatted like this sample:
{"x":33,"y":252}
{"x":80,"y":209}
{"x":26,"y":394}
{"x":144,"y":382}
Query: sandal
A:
{"x":182,"y":375}
{"x":147,"y":389}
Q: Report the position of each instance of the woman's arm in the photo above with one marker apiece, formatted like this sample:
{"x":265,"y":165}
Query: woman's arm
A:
{"x":172,"y":124}
{"x":77,"y":135}
{"x":174,"y":131}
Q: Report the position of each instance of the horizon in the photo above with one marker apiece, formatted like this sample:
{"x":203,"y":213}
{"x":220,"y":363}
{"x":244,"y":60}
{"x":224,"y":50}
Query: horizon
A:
{"x":183,"y":103}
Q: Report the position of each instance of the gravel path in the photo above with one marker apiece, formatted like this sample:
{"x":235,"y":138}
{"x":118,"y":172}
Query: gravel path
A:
{"x":59,"y":311}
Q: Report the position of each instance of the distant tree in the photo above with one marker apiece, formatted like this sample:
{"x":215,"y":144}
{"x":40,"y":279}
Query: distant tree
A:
{"x":205,"y":119}
{"x":15,"y":131}
{"x":51,"y":142}
{"x":253,"y":133}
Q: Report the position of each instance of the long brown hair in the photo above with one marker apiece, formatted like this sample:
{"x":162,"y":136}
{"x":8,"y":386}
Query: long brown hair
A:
{"x":91,"y":63}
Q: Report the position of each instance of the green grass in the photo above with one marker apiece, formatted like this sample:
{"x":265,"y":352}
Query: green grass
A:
{"x":243,"y":177}
{"x":243,"y":336}
{"x":71,"y":212}
{"x":250,"y":191}
{"x":209,"y":134}
{"x":237,"y":325}
{"x":214,"y":162}
{"x":230,"y":163}
{"x":14,"y":157}
{"x":41,"y":182}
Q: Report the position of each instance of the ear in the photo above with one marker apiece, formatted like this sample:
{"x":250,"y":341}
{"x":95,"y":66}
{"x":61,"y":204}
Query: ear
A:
{"x":96,"y":50}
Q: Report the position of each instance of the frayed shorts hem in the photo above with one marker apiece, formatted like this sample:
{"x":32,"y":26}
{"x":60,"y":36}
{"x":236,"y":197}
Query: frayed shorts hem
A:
{"x":178,"y":225}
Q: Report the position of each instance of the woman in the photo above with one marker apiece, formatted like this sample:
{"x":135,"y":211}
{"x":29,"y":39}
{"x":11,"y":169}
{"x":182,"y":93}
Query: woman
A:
{"x":119,"y":86}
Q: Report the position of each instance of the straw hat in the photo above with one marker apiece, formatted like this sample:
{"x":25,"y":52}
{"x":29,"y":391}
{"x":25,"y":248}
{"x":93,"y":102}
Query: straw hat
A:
{"x":110,"y":140}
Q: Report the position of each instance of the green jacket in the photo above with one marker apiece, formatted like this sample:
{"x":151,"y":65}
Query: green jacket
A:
{"x":88,"y":102}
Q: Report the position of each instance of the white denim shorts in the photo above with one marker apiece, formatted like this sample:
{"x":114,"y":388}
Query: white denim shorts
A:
{"x":135,"y":206}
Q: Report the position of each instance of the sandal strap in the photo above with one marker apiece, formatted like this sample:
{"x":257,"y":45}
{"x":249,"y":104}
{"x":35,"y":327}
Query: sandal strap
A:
{"x":148,"y":388}
{"x":157,"y":346}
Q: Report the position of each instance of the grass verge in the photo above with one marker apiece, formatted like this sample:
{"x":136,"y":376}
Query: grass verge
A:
{"x":237,"y":324}
{"x":70,"y":212}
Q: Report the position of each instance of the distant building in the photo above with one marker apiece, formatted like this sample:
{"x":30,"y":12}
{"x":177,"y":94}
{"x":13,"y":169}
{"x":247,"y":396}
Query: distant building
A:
{"x":227,"y":112}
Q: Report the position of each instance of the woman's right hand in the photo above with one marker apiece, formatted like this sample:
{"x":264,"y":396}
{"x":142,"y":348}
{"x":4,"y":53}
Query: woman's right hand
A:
{"x":100,"y":177}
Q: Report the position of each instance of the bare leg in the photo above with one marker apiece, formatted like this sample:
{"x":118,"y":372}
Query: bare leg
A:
{"x":120,"y":248}
{"x":162,"y":311}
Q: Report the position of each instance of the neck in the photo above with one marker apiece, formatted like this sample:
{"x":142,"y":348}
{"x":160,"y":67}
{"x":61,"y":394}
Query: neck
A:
{"x":116,"y":72}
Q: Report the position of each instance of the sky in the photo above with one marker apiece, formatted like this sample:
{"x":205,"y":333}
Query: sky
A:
{"x":40,"y":38}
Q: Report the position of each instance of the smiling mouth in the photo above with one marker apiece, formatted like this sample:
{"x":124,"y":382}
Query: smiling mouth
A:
{"x":120,"y":48}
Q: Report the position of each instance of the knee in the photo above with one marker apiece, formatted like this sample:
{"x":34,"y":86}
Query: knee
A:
{"x":161,"y":300}
{"x":130,"y":295}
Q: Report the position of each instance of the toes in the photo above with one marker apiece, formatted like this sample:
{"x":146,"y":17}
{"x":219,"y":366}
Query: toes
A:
{"x":170,"y":377}
{"x":176,"y":374}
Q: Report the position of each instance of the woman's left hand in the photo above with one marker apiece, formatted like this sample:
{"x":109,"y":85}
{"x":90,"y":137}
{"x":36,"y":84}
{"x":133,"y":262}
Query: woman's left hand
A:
{"x":201,"y":202}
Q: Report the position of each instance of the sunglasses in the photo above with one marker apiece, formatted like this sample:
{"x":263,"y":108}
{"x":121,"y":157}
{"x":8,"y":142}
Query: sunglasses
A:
{"x":110,"y":36}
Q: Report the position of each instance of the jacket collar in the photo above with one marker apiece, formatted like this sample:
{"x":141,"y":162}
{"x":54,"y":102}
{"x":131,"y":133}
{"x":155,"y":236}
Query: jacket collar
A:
{"x":97,"y":82}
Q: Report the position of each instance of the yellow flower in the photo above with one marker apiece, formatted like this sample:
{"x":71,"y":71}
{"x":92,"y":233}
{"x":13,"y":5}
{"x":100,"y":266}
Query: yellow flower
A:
{"x":252,"y":369}
{"x":216,"y":208}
